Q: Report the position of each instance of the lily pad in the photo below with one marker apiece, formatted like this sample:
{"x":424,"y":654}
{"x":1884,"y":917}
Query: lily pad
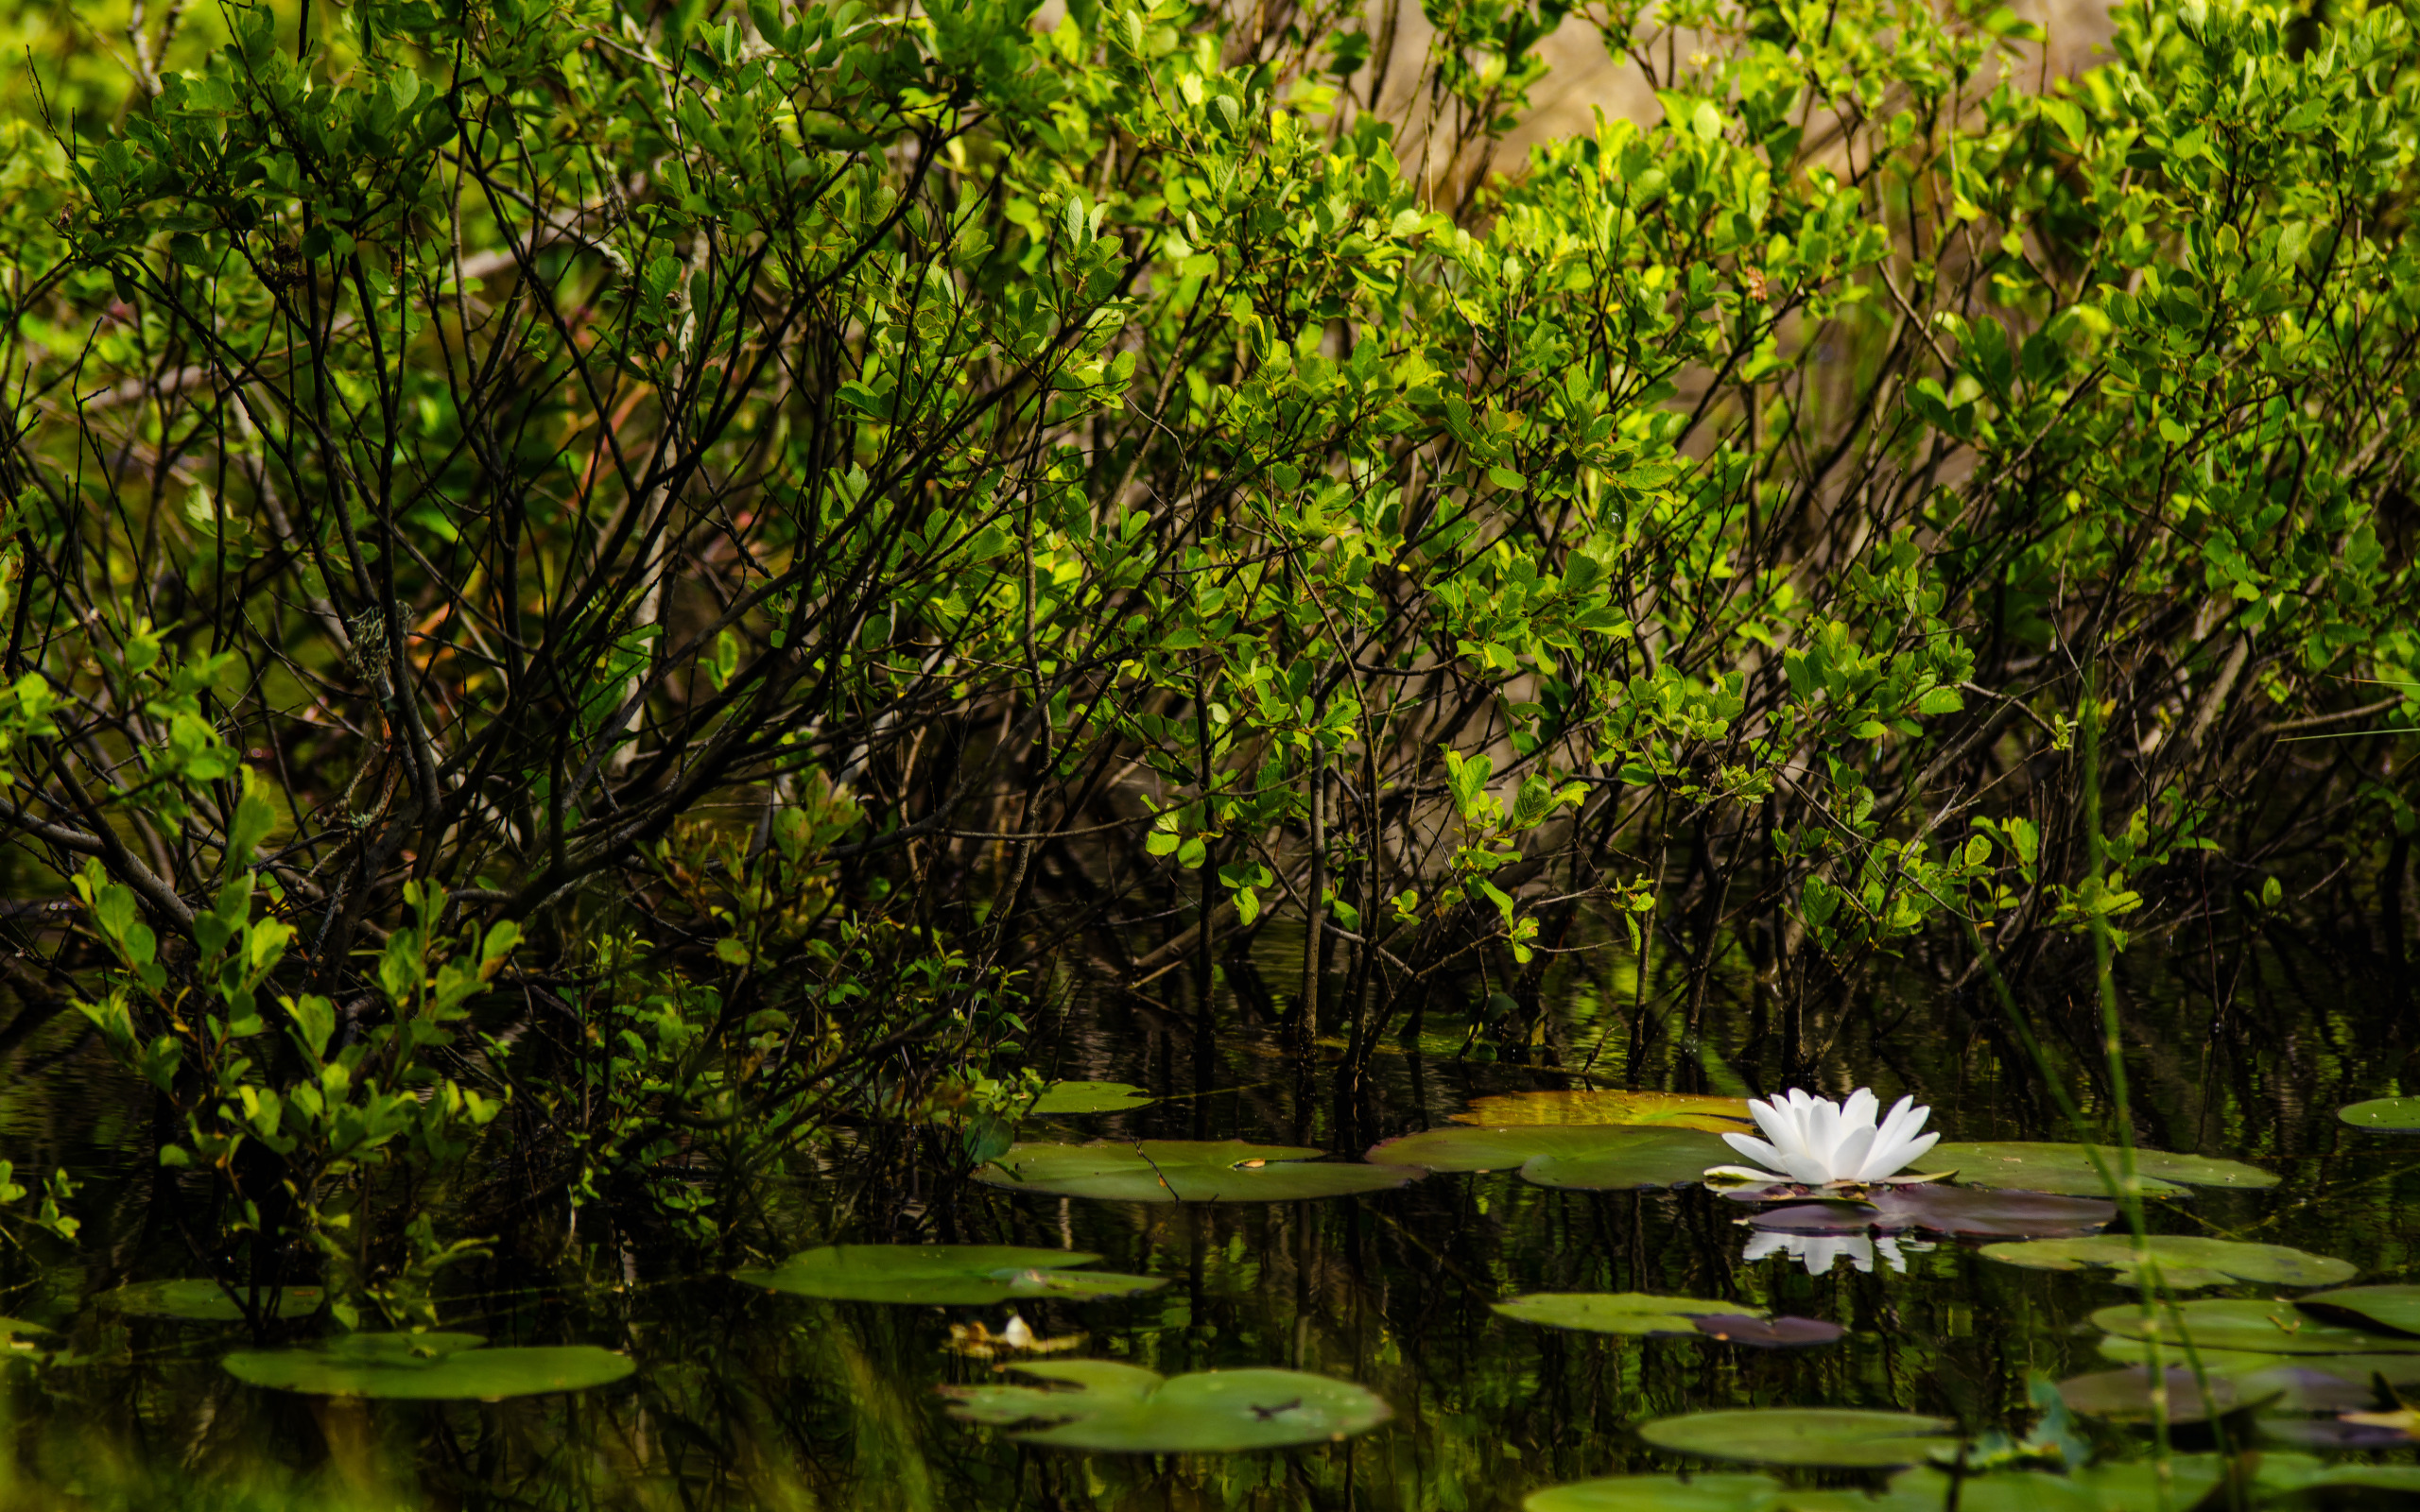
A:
{"x":426,"y":1368}
{"x":1591,"y":1106}
{"x":1843,"y":1437}
{"x":199,"y":1301}
{"x":2181,"y":1262}
{"x":1121,"y":1408}
{"x":2385,"y":1307}
{"x":1659,"y":1493}
{"x":1597,"y":1157}
{"x":1959,"y":1212}
{"x":2389,"y":1115}
{"x":2127,"y":1393}
{"x":1185,"y":1170}
{"x":1061,"y":1098}
{"x":1641,"y":1313}
{"x":943,"y":1275}
{"x":1768,"y":1332}
{"x":2135,"y":1486}
{"x":2068,"y":1168}
{"x":2398,"y":1369}
{"x":2259,"y":1328}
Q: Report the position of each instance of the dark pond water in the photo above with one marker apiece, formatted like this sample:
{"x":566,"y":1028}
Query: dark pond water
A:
{"x":749,"y":1399}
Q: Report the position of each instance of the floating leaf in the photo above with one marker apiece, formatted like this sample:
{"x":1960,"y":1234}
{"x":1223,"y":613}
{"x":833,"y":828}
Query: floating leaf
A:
{"x":1962,"y":1211}
{"x":1768,"y":1332}
{"x":1591,"y":1106}
{"x":200,"y":1300}
{"x":1659,"y":1493}
{"x":2068,"y":1168}
{"x":1061,"y":1098}
{"x":1121,"y":1408}
{"x":2388,"y":1115}
{"x":2398,"y":1369}
{"x":426,"y":1368}
{"x":1844,"y":1437}
{"x":2181,"y":1482}
{"x":2128,"y":1393}
{"x":1641,"y":1313}
{"x":2386,"y":1307}
{"x":16,"y":1328}
{"x":1185,"y":1170}
{"x":954,"y":1275}
{"x":2181,"y":1262}
{"x":2259,"y":1328}
{"x":1594,"y":1157}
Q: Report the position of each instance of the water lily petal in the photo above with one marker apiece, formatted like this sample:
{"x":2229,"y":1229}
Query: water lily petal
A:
{"x":1755,"y":1149}
{"x":1847,"y":1162}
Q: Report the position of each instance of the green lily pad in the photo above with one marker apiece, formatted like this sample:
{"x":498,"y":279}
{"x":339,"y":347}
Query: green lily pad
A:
{"x":943,"y":1275}
{"x":199,"y":1301}
{"x":2181,"y":1262}
{"x":1119,"y":1408}
{"x":1617,"y":1312}
{"x":2398,"y":1369}
{"x":17,"y":1328}
{"x":2128,"y":1487}
{"x":2068,"y":1169}
{"x":1843,"y":1437}
{"x":2386,"y":1115}
{"x":1640,"y":1314}
{"x":426,"y":1368}
{"x":1065,"y":1097}
{"x":1592,"y":1158}
{"x":1659,"y":1493}
{"x":1185,"y":1170}
{"x":2258,"y":1327}
{"x":1588,"y":1107}
{"x":2386,"y":1307}
{"x":2127,"y":1393}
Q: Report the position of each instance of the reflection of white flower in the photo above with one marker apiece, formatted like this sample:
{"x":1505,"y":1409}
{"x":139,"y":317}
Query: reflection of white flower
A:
{"x":1819,"y":1251}
{"x":1817,"y":1141}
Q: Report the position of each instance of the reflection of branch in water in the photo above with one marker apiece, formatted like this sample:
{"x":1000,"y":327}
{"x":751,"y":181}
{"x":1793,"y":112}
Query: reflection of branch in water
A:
{"x":1819,"y":1251}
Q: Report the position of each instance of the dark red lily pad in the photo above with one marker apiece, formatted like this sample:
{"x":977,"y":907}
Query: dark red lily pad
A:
{"x":1963,"y":1213}
{"x":1768,"y":1332}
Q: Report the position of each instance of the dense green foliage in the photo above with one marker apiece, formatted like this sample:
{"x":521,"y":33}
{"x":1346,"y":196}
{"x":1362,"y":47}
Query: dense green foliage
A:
{"x":612,"y":585}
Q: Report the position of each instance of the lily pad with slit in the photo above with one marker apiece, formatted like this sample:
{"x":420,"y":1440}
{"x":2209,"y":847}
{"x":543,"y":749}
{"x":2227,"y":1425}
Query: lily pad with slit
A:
{"x":2182,"y":1261}
{"x":1186,"y":1170}
{"x":2254,"y":1327}
{"x":201,"y":1300}
{"x":2393,"y":1307}
{"x":426,"y":1368}
{"x":1591,"y":1157}
{"x":943,"y":1274}
{"x":1589,"y":1107}
{"x":1660,"y":1493}
{"x":1956,"y":1211}
{"x":1642,"y":1313}
{"x":2068,"y":1168}
{"x":2388,"y":1115}
{"x":1067,"y":1098}
{"x":1108,"y":1406}
{"x":1846,"y":1438}
{"x":2127,"y":1394}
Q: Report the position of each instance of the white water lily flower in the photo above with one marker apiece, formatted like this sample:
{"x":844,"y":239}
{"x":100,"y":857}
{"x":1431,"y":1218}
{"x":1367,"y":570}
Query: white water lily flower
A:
{"x":1815,"y":1141}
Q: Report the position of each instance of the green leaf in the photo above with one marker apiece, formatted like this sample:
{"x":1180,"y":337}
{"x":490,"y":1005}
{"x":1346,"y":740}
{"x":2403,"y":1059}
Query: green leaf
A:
{"x":1185,"y":1170}
{"x":426,"y":1368}
{"x":943,"y":1275}
{"x":1840,"y":1437}
{"x":1118,"y":1408}
{"x":2182,"y":1261}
